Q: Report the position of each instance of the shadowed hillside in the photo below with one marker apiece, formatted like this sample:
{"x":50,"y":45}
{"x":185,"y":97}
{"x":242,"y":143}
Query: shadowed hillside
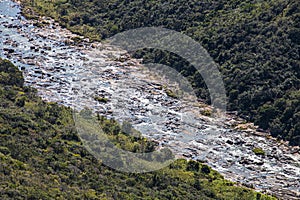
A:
{"x":256,"y":44}
{"x":42,"y":157}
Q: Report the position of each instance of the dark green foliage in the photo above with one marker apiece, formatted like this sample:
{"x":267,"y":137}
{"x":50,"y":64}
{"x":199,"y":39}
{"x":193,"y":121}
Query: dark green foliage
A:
{"x":41,"y":157}
{"x":256,"y":44}
{"x":205,"y":169}
{"x":101,"y":99}
{"x":193,"y":166}
{"x":126,"y":137}
{"x":10,"y":75}
{"x":285,"y":124}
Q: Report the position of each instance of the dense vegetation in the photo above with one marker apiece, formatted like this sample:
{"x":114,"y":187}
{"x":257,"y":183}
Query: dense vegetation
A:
{"x":42,"y":157}
{"x":256,"y":43}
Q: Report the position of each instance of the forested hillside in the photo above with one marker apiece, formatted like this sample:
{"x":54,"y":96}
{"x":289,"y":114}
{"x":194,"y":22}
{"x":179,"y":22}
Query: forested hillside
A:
{"x":256,"y":43}
{"x":43,"y":158}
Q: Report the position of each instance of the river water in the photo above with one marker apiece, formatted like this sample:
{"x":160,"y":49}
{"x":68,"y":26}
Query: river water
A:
{"x":73,"y":75}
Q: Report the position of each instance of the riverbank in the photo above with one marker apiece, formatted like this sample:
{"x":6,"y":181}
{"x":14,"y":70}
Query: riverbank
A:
{"x":73,"y":73}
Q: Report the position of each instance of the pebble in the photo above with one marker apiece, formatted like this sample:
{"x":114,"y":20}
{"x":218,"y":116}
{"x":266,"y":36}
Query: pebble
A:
{"x":72,"y":75}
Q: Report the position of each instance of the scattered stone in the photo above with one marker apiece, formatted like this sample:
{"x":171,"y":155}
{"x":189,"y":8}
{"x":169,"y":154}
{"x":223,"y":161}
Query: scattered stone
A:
{"x":229,"y":142}
{"x":9,"y":50}
{"x":58,"y":71}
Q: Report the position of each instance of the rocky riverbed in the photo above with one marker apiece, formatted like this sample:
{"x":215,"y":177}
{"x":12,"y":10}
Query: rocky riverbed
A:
{"x":76,"y":73}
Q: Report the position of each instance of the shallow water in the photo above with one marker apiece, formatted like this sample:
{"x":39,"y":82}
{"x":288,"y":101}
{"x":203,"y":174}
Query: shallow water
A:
{"x":72,"y":75}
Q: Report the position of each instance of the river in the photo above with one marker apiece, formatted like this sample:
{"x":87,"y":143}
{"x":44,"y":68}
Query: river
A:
{"x":73,"y":74}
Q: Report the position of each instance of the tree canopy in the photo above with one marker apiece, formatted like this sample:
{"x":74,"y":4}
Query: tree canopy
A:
{"x":256,"y":44}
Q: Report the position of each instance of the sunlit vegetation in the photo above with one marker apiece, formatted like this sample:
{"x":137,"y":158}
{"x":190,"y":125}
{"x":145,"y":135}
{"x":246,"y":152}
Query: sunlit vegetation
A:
{"x":170,"y":93}
{"x":256,"y":44}
{"x":101,"y":99}
{"x":42,"y":157}
{"x":258,"y":151}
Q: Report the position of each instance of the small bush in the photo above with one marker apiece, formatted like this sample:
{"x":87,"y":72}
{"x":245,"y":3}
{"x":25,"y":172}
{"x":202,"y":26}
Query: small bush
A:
{"x":258,"y":151}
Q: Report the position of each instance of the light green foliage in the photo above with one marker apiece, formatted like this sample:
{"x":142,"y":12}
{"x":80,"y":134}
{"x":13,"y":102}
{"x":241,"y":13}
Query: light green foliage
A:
{"x":258,"y":151}
{"x":256,"y":43}
{"x":170,"y":93}
{"x":42,"y":157}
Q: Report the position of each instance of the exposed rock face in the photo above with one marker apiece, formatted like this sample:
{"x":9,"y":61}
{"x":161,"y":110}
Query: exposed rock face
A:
{"x":74,"y":74}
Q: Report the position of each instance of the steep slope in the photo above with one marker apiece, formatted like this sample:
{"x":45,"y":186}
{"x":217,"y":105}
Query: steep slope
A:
{"x":256,"y":44}
{"x":43,"y":158}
